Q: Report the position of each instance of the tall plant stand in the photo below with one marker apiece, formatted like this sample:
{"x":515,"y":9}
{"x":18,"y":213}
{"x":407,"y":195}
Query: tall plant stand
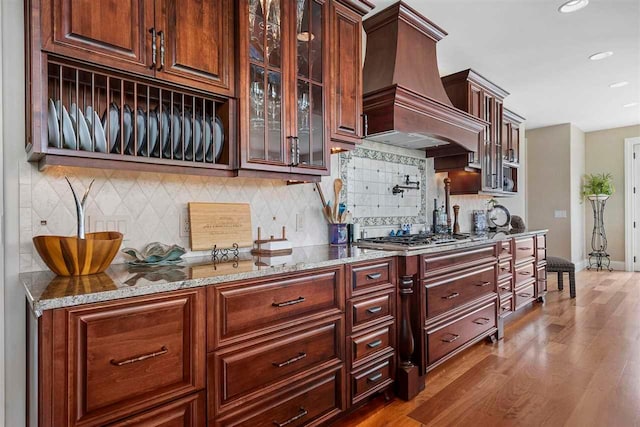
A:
{"x":598,"y":257}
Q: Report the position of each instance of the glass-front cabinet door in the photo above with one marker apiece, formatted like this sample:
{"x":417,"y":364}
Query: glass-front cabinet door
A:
{"x":284,"y":64}
{"x":264,"y":121}
{"x":311,"y":76}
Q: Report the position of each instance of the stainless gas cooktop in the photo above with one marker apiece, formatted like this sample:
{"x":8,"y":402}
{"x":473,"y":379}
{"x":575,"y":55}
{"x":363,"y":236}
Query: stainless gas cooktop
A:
{"x":410,"y":242}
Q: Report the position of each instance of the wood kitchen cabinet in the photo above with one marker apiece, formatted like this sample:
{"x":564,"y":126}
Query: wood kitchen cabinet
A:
{"x":188,"y":42}
{"x":510,"y":150}
{"x":347,"y":124}
{"x":483,"y":171}
{"x":284,"y":74}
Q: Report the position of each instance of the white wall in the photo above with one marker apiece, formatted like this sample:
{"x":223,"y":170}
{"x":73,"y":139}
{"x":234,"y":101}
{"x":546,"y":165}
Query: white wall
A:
{"x":12,"y":30}
{"x":577,"y":167}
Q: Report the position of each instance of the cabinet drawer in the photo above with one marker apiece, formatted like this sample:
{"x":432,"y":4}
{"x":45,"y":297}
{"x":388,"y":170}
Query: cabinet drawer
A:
{"x":525,"y":249}
{"x":505,"y":287}
{"x":504,"y":270}
{"x":309,"y":404}
{"x":247,"y":307}
{"x":372,"y":378}
{"x":364,"y":276}
{"x":371,"y":343}
{"x":524,"y":274}
{"x":446,"y":293}
{"x":448,"y":338}
{"x":524,"y":295}
{"x":127,"y":356}
{"x":366,"y":310}
{"x":541,"y":254}
{"x":186,"y":412}
{"x":505,"y":249}
{"x":448,"y":261}
{"x":506,"y":306}
{"x":541,"y":279}
{"x":248,"y":368}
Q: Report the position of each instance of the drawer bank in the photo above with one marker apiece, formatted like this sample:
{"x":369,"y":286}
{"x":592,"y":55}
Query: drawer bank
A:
{"x":238,"y":344}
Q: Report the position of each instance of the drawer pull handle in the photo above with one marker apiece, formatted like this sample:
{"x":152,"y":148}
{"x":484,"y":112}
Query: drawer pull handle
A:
{"x":452,"y":296}
{"x":482,"y":321}
{"x":454,"y":337}
{"x":505,"y":249}
{"x":294,"y":359}
{"x":524,"y":249}
{"x":374,"y":310}
{"x":524,"y":273}
{"x":286,"y":303}
{"x":504,"y":288}
{"x":525,"y":295}
{"x":374,"y":276}
{"x":483,"y":284}
{"x":504,"y":269}
{"x":302,"y":413}
{"x":374,"y":378}
{"x":374,"y":344}
{"x":160,"y":352}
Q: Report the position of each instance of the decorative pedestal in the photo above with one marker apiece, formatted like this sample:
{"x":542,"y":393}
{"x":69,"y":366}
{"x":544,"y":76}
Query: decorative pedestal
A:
{"x":598,"y":257}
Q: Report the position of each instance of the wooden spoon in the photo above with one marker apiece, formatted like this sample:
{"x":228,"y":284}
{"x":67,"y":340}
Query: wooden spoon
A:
{"x":337,"y":187}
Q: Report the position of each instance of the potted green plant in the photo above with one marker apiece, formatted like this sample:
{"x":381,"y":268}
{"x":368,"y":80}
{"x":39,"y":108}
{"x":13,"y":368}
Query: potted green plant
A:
{"x":598,"y":186}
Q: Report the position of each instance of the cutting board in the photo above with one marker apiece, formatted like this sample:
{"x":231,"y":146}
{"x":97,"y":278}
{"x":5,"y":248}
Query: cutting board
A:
{"x":220,"y":224}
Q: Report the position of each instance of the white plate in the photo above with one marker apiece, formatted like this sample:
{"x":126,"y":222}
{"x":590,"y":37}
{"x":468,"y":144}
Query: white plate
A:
{"x":93,"y":122}
{"x":205,"y":145}
{"x":80,"y":126}
{"x":53,"y":126}
{"x":68,"y":135}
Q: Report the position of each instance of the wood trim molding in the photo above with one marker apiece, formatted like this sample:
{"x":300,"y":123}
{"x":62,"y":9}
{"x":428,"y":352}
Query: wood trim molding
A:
{"x":512,"y":117}
{"x":475,"y":77}
{"x":401,"y":11}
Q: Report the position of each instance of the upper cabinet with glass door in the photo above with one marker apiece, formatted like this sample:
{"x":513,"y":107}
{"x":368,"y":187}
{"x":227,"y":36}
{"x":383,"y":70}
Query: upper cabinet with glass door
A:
{"x":288,"y":89}
{"x":283,"y":61}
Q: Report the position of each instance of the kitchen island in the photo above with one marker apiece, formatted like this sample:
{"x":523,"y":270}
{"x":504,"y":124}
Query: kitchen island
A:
{"x":244,"y":343}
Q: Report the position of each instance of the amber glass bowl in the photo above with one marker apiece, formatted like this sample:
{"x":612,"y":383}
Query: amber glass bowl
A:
{"x":70,"y":256}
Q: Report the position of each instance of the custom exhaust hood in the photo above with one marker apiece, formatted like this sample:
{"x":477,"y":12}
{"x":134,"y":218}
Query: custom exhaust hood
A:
{"x":404,"y":100}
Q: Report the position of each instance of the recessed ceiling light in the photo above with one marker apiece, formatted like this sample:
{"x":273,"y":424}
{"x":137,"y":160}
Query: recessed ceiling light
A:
{"x":600,"y":55}
{"x":618,"y":84}
{"x":572,"y":6}
{"x":629,"y":105}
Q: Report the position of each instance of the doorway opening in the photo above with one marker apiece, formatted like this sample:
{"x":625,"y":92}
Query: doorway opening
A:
{"x":632,"y":203}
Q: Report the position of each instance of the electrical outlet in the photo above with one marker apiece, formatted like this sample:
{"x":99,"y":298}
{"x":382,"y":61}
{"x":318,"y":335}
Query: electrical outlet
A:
{"x":185,"y":225}
{"x":299,"y":222}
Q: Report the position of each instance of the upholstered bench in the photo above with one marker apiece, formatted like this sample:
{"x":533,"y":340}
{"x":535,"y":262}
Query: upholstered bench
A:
{"x":561,"y":266}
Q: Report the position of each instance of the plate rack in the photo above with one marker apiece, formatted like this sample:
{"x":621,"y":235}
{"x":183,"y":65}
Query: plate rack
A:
{"x":97,"y":114}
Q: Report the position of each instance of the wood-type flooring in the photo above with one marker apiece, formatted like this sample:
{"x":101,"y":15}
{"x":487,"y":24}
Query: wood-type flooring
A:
{"x":567,"y":362}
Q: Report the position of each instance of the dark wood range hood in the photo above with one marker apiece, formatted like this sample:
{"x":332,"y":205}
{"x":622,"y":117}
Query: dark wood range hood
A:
{"x":404,"y":99}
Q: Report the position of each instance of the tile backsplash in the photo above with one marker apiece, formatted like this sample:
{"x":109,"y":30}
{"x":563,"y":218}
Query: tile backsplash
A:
{"x":150,"y":206}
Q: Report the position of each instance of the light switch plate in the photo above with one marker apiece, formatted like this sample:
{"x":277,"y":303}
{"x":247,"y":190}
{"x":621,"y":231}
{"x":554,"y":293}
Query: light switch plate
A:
{"x":118,"y":223}
{"x":185,"y":225}
{"x":299,"y":222}
{"x":560,"y":214}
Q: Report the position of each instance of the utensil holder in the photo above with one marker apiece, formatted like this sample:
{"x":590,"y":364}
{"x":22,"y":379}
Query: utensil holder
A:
{"x":338,"y":234}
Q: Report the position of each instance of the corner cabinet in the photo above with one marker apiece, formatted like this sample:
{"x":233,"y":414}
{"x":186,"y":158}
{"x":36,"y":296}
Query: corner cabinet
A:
{"x":490,"y":170}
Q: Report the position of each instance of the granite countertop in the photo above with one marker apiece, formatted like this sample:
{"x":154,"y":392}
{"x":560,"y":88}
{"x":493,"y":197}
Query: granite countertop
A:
{"x":46,"y":291}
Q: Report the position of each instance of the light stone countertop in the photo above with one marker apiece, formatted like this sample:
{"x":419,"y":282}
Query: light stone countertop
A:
{"x":46,"y":291}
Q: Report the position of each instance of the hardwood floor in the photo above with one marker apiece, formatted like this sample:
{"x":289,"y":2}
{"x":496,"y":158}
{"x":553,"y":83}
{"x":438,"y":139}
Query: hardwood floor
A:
{"x":563,"y":363}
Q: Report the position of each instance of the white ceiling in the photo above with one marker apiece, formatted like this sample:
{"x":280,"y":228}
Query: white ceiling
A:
{"x":541,"y":56}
